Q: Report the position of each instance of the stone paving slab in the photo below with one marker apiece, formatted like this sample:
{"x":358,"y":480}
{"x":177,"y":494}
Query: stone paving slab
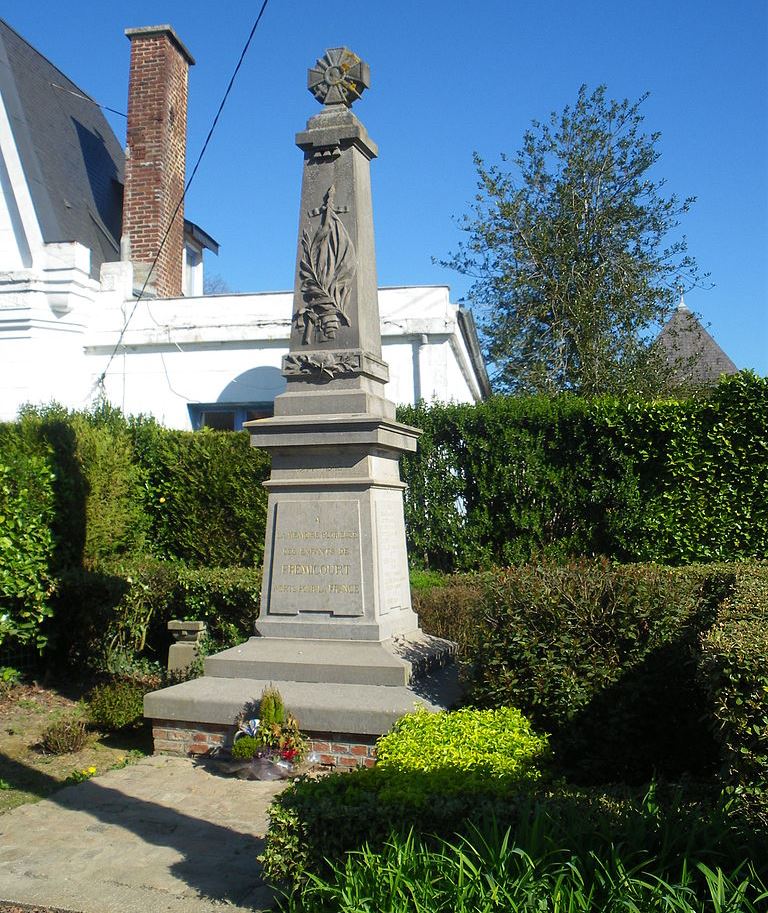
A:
{"x":160,"y":836}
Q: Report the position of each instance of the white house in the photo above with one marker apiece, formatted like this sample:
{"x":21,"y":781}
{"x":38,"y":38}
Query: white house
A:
{"x":81,"y":222}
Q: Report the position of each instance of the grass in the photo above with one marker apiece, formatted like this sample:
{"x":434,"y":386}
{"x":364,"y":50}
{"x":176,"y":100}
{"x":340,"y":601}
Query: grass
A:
{"x":27,"y":774}
{"x":492,"y":874}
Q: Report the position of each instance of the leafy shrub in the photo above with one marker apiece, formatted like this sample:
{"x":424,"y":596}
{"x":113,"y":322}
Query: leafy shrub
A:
{"x":602,"y":656}
{"x":26,"y":540}
{"x":123,"y":609}
{"x":314,"y":824}
{"x":315,"y":820}
{"x":246,"y":747}
{"x":204,"y":494}
{"x":556,"y":634}
{"x":65,"y":735}
{"x":489,"y":743}
{"x":434,"y":771}
{"x":451,"y":607}
{"x":633,"y":669}
{"x":9,"y":678}
{"x":516,"y":478}
{"x":118,"y":704}
{"x":734,"y":671}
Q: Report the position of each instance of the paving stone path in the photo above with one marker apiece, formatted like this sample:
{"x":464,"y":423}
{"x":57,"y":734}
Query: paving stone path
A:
{"x":160,"y":836}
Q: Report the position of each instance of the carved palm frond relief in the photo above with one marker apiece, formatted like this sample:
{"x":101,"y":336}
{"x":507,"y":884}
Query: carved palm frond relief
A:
{"x":326,"y":270}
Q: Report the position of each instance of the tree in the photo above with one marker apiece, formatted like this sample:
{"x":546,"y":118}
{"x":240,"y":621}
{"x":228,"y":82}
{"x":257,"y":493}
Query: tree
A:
{"x":215,"y":284}
{"x":571,"y":254}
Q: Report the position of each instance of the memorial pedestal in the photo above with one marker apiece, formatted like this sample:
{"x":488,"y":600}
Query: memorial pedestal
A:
{"x":336,"y":631}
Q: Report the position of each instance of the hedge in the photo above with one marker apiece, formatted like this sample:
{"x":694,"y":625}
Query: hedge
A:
{"x":26,"y":541}
{"x":635,"y":670}
{"x":502,"y":482}
{"x":130,"y":488}
{"x":204,"y":494}
{"x":734,"y":671}
{"x":315,"y":824}
{"x":85,"y":495}
{"x":115,"y":612}
{"x":516,"y":478}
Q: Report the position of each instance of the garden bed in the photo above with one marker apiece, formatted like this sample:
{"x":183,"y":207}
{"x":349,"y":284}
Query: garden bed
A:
{"x":27,"y":774}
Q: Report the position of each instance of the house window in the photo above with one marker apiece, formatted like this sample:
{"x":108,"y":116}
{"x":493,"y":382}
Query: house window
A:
{"x":193,"y":270}
{"x":227,"y":416}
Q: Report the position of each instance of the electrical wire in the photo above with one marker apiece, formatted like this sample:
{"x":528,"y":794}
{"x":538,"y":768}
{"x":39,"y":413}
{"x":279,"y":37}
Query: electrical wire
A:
{"x":99,"y":384}
{"x":55,"y":85}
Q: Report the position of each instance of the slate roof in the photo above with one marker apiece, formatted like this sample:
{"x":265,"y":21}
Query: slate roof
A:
{"x":71,"y":158}
{"x":698,"y":358}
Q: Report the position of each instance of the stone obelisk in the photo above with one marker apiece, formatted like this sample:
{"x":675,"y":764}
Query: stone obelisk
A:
{"x":336,"y":632}
{"x":335,"y":562}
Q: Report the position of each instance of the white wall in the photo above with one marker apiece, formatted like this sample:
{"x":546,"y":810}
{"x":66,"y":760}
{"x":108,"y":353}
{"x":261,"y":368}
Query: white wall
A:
{"x":64,"y":332}
{"x":229,"y":348}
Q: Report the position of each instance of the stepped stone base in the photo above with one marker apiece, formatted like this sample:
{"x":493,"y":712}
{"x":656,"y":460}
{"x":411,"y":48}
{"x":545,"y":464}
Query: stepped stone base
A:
{"x":395,"y":662}
{"x":356,"y":688}
{"x":319,"y":707}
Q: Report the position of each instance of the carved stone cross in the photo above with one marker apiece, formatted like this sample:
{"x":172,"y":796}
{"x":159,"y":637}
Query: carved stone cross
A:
{"x":339,"y":77}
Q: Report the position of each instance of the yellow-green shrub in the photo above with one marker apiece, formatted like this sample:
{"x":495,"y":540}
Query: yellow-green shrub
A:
{"x":432,"y":776}
{"x":487,"y":743}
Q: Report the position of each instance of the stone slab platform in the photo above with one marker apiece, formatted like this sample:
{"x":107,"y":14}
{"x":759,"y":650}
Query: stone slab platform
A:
{"x":329,"y":661}
{"x":327,"y":707}
{"x":161,"y":835}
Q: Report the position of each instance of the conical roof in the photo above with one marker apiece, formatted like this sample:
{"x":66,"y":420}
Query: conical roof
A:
{"x":693,"y":354}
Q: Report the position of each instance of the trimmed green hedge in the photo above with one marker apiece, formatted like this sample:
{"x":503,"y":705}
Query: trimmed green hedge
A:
{"x":635,"y":670}
{"x":123,"y":609}
{"x":316,"y":823}
{"x":128,"y":488}
{"x":603,"y":657}
{"x":83,"y":492}
{"x":513,"y":478}
{"x":204,"y":494}
{"x":734,"y":672}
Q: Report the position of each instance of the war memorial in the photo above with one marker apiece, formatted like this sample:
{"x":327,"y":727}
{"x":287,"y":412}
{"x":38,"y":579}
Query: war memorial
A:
{"x":336,"y":631}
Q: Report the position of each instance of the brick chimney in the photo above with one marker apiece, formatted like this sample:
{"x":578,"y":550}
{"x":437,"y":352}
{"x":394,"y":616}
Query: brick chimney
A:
{"x":155,"y":156}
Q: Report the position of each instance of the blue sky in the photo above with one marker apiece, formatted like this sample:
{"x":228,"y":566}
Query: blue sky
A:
{"x":448,"y":78}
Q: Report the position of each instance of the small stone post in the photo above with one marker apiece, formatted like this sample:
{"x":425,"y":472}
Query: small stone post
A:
{"x":187,"y":636}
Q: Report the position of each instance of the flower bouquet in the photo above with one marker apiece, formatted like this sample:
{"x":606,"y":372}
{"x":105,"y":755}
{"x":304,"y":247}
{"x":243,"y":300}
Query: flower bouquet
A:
{"x":269,"y":746}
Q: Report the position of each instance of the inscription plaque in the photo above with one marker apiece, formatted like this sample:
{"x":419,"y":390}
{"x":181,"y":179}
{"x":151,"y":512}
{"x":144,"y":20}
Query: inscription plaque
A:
{"x":316,"y":559}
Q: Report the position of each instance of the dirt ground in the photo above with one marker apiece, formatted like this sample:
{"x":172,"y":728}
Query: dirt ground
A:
{"x":26,"y":772}
{"x":15,"y":908}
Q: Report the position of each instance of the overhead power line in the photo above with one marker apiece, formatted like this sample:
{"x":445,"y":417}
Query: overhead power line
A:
{"x":93,"y":101}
